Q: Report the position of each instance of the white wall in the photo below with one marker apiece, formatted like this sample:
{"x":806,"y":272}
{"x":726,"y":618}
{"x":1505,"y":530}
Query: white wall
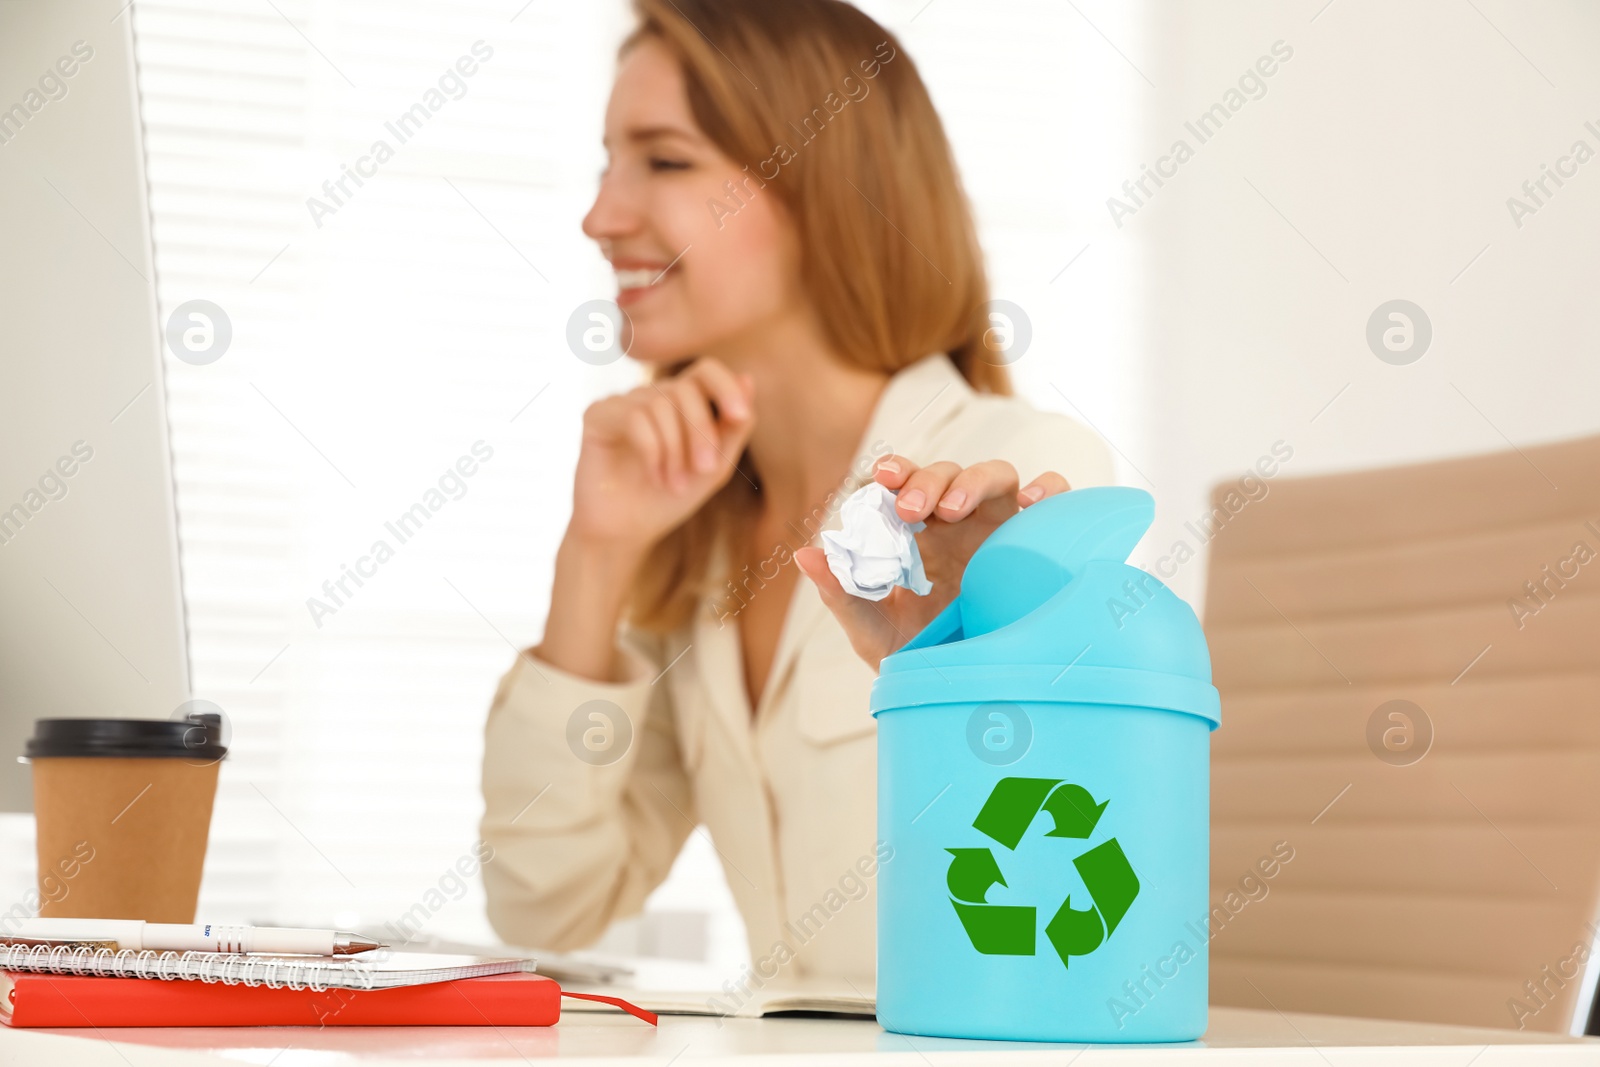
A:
{"x":1376,"y":166}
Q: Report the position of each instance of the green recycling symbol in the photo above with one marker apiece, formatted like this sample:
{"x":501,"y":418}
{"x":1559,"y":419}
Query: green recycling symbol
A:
{"x":1010,"y":929}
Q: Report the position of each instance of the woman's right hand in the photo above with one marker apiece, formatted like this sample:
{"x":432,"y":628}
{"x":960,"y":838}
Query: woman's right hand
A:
{"x":651,"y":456}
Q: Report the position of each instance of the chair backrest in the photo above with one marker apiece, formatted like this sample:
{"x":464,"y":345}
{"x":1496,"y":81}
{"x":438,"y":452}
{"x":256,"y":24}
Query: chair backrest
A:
{"x":1409,"y":663}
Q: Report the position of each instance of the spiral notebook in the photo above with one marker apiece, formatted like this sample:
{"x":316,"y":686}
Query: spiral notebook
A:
{"x":372,"y":970}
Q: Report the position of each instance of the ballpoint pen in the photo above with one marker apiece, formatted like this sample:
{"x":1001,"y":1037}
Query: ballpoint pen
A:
{"x":177,"y":937}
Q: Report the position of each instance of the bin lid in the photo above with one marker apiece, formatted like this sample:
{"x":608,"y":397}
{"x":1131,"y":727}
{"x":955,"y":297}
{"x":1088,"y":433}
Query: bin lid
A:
{"x":1050,"y":611}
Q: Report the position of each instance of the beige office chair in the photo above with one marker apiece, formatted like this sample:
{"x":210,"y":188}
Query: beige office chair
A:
{"x":1445,"y":850}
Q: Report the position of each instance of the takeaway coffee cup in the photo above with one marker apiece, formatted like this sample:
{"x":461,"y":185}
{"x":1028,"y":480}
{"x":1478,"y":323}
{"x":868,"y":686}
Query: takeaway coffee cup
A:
{"x":123,"y":808}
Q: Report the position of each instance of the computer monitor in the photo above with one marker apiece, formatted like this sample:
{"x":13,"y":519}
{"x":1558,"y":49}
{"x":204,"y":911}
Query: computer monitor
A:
{"x":91,"y":609}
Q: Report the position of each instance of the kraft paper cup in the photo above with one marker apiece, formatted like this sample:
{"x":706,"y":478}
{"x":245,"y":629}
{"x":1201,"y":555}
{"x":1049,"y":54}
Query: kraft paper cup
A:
{"x":123,"y":809}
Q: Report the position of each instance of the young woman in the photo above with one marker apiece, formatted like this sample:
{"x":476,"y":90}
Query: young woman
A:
{"x":799,"y":265}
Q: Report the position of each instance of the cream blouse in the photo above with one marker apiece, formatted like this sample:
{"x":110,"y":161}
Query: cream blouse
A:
{"x":586,"y":814}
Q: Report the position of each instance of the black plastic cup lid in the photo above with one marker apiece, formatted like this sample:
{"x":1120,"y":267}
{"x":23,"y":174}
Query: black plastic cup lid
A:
{"x":197,"y":737}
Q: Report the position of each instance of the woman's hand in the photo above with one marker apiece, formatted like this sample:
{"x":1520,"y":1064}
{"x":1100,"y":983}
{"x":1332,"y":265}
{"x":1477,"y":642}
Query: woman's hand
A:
{"x":961,"y":508}
{"x":650,"y":457}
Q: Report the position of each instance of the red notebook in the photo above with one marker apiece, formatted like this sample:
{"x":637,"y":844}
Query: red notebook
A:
{"x":54,"y":1000}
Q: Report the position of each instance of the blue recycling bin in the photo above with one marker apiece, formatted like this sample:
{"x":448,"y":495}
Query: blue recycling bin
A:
{"x":1044,"y":782}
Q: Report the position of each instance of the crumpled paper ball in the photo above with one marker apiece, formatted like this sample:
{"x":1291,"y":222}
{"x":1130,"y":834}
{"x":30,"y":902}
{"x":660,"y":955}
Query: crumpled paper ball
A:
{"x":874,"y":550}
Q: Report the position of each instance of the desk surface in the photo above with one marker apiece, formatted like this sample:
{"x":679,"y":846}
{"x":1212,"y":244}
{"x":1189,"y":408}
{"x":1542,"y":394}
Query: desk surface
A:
{"x":1237,"y":1036}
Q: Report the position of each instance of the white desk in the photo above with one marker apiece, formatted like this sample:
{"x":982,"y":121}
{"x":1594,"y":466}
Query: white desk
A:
{"x":1237,"y":1037}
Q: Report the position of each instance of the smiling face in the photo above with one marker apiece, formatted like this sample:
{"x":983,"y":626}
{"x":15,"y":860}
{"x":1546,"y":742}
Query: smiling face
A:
{"x":694,"y":277}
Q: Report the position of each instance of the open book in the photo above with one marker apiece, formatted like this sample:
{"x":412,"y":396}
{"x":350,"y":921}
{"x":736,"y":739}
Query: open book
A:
{"x":669,"y":988}
{"x":673,"y":987}
{"x":760,"y":1004}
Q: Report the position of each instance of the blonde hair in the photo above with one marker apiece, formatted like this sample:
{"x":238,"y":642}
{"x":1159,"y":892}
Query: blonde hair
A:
{"x":838,"y":125}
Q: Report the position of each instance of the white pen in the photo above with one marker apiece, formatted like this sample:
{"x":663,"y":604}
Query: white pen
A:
{"x":177,"y":937}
